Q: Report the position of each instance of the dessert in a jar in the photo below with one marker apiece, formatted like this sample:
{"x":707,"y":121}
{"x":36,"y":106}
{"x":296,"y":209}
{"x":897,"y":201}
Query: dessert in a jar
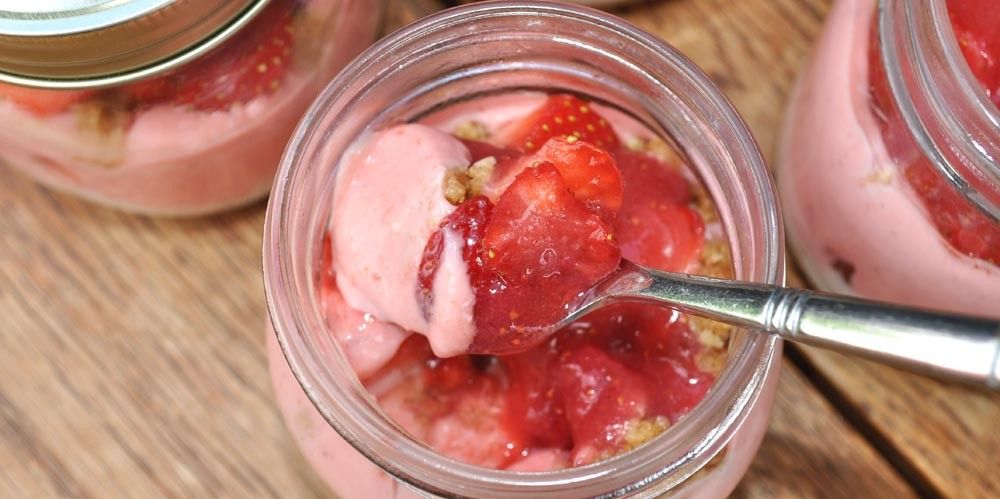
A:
{"x":451,"y":192}
{"x":167,"y":107}
{"x":887,"y":165}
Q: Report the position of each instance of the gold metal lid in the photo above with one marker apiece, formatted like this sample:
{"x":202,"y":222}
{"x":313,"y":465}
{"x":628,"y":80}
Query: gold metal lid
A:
{"x":95,"y":43}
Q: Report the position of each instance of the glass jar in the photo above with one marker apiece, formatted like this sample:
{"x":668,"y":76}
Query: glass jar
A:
{"x":168,"y":107}
{"x":890,"y":185}
{"x":485,"y":49}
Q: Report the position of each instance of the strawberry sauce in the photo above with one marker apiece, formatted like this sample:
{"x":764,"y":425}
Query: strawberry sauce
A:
{"x":968,"y":230}
{"x":565,"y":202}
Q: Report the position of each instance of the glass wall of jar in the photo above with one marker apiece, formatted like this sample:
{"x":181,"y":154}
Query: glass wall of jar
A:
{"x":888,"y":165}
{"x":167,"y":107}
{"x":473,"y":56}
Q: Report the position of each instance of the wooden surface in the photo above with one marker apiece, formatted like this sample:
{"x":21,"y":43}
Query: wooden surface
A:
{"x":132,"y":352}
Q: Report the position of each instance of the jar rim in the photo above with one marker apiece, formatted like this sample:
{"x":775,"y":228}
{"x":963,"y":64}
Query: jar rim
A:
{"x":941,"y":94}
{"x":111,"y":43}
{"x":734,"y":393}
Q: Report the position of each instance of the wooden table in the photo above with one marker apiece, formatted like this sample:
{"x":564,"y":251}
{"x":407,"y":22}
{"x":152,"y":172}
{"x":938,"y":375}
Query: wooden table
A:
{"x":132,"y":349}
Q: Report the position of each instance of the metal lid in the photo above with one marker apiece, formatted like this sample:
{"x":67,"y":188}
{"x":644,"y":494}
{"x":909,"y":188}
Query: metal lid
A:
{"x":91,"y":43}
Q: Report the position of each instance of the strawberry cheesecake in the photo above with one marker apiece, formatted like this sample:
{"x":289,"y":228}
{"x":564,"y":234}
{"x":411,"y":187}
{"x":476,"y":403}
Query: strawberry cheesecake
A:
{"x":508,"y":207}
{"x":869,"y":212}
{"x":203,"y":137}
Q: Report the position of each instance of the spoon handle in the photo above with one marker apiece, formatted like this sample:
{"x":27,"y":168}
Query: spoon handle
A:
{"x":948,"y":345}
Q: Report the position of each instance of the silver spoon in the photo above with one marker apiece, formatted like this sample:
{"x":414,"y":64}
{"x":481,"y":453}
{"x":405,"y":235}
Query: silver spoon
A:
{"x":947,"y":345}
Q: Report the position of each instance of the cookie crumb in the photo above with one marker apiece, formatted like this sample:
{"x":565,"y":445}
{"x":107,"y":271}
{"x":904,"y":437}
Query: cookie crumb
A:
{"x":456,"y":186}
{"x":471,"y":130}
{"x":479,"y":173}
{"x":643,"y":430}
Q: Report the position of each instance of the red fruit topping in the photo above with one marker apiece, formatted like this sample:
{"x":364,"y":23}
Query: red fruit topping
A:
{"x":42,"y":102}
{"x":533,"y":402}
{"x":599,"y":395}
{"x":650,"y":340}
{"x":655,"y":226}
{"x":965,"y":228}
{"x":978,"y":33}
{"x":563,"y":116}
{"x":469,"y":220}
{"x":542,"y":249}
{"x":252,"y":64}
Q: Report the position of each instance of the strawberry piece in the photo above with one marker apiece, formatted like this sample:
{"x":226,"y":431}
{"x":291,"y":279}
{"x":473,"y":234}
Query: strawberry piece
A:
{"x":533,"y":402}
{"x":599,"y":396}
{"x":589,"y":171}
{"x":470,"y":220}
{"x":42,"y":102}
{"x":252,"y":64}
{"x":664,"y":236}
{"x":655,"y":226}
{"x":542,"y":248}
{"x":648,"y":177}
{"x":651,"y":340}
{"x":564,"y":116}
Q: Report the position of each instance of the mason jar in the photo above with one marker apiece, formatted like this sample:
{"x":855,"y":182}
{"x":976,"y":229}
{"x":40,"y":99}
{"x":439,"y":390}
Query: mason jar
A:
{"x":459,"y":56}
{"x":887,"y":165}
{"x":165,"y":106}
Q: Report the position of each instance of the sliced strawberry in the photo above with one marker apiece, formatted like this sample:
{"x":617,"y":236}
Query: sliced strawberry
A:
{"x":564,"y":116}
{"x":533,"y":402}
{"x":41,"y":102}
{"x":542,"y":248}
{"x":647,"y":177}
{"x":470,"y":220}
{"x":599,"y":396}
{"x":655,"y":226}
{"x":651,"y":340}
{"x":252,"y":64}
{"x":589,"y":171}
{"x":664,"y":236}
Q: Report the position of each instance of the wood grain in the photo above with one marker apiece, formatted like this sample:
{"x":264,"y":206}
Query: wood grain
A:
{"x":132,"y":357}
{"x":811,"y":452}
{"x":946,"y":437}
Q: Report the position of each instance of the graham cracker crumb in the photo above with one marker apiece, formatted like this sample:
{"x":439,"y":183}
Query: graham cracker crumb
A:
{"x":879,"y":176}
{"x":715,"y":260}
{"x":642,"y":431}
{"x":456,"y":186}
{"x":471,"y":130}
{"x":463,"y":183}
{"x":480,"y":173}
{"x":704,"y":204}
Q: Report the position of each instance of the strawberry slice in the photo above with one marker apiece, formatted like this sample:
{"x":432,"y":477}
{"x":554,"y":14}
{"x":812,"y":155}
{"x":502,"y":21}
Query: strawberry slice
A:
{"x":542,"y":249}
{"x":532,"y":402}
{"x":42,"y":102}
{"x":562,"y":115}
{"x":599,"y":396}
{"x":243,"y":68}
{"x":470,"y":220}
{"x":589,"y":171}
{"x":655,"y":226}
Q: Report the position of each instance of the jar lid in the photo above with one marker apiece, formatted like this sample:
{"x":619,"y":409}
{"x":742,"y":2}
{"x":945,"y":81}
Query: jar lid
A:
{"x":91,"y":43}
